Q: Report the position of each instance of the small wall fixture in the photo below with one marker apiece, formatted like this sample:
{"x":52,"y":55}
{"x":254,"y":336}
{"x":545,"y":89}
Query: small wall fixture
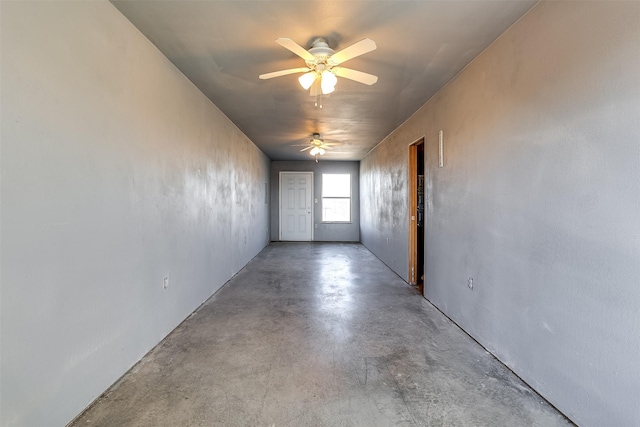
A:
{"x":440,"y":149}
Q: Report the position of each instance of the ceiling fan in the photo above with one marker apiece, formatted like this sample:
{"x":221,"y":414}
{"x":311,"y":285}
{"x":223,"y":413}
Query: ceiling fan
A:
{"x":318,"y":145}
{"x":323,"y":65}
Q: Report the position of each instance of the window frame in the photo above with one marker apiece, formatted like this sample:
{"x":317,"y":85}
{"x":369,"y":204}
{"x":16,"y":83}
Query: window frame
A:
{"x":349,"y":198}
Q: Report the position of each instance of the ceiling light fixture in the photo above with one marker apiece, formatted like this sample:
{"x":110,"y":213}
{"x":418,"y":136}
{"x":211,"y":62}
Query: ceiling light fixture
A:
{"x":318,"y":146}
{"x":328,"y":82}
{"x":307,"y":79}
{"x":317,"y":150}
{"x":324,"y":65}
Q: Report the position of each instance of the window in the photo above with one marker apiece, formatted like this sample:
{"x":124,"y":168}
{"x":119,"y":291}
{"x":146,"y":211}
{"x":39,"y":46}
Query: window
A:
{"x":336,"y":197}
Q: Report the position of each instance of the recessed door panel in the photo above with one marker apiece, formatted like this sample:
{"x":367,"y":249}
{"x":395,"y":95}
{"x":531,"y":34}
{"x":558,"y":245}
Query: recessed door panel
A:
{"x":291,"y":198}
{"x":302,"y":224}
{"x":302,"y":198}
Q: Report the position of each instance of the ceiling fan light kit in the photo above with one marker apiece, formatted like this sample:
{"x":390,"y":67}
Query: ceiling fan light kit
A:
{"x":307,"y":79}
{"x":321,"y":74}
{"x":316,"y":150}
{"x":319,"y":146}
{"x":328,"y":82}
{"x":322,"y":64}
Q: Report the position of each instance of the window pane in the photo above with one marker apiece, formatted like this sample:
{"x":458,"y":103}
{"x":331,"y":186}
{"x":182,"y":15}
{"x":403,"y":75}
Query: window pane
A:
{"x":336,"y":209}
{"x":336,"y":185}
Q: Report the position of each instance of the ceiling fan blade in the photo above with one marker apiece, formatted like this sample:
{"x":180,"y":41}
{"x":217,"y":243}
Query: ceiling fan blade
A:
{"x":283,"y":73}
{"x":305,"y":149}
{"x":295,"y":48}
{"x":356,"y":75}
{"x":331,"y":144}
{"x":356,"y":49}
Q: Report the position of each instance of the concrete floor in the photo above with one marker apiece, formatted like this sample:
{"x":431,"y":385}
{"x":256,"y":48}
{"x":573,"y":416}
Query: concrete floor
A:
{"x":319,"y":334}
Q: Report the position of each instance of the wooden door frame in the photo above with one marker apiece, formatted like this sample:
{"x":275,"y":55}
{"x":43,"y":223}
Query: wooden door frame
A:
{"x":413,"y":210}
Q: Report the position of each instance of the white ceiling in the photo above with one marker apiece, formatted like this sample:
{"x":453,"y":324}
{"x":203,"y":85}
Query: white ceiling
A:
{"x":222,"y":47}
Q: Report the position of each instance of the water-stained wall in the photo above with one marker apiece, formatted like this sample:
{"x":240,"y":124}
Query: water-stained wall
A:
{"x":116,"y":174}
{"x":537,"y":201}
{"x":323,"y":232}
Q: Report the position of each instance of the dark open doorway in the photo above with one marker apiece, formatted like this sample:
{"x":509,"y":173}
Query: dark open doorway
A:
{"x":416,"y":214}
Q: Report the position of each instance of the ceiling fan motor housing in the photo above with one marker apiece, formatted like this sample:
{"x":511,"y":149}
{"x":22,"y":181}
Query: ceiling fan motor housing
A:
{"x":321,"y":51}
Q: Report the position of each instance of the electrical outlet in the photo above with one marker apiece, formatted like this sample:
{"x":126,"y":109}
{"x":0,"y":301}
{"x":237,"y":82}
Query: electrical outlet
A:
{"x":165,"y":282}
{"x":470,"y":283}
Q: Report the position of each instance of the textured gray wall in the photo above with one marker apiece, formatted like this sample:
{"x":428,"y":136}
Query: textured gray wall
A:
{"x":116,"y":172}
{"x":385,"y":204}
{"x":538,"y":201}
{"x":323,"y":232}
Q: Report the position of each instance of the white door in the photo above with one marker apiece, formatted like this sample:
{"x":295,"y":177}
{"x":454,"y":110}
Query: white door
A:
{"x":296,"y":217}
